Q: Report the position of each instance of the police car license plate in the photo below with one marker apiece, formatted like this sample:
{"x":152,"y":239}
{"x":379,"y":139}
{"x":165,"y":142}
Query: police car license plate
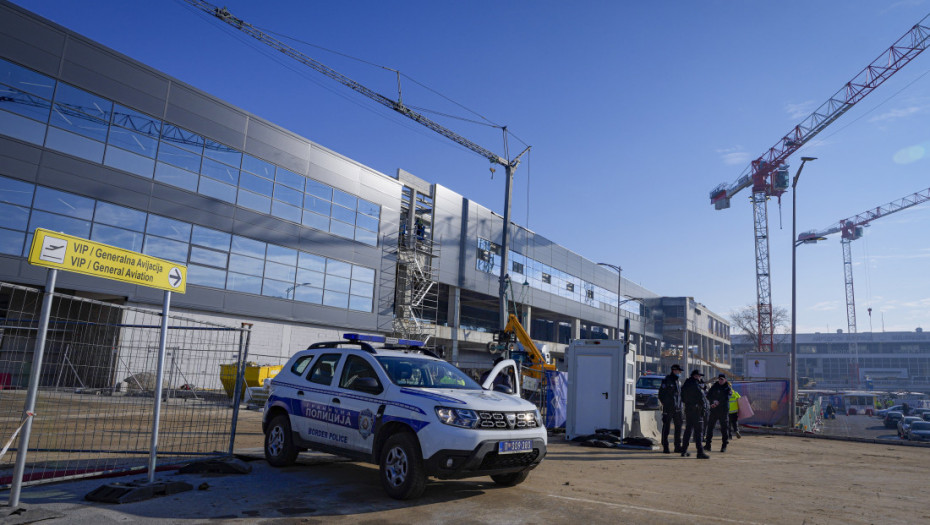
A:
{"x":515,"y":447}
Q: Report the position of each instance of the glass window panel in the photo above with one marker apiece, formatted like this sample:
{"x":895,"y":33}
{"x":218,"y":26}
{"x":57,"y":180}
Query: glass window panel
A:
{"x":219,"y":171}
{"x":247,"y":265}
{"x":165,"y":249}
{"x":79,"y":123}
{"x":342,"y":229}
{"x":64,"y":203}
{"x":179,"y":157}
{"x":76,"y":145}
{"x":243,"y":283}
{"x":363,"y":289}
{"x":319,"y":189}
{"x":210,"y":238}
{"x":22,"y":128}
{"x":344,"y":214}
{"x":135,"y":142}
{"x":369,"y":208}
{"x":281,"y":272}
{"x":336,"y":299}
{"x":312,"y":262}
{"x":247,"y":246}
{"x":26,"y":79}
{"x":126,"y":161}
{"x":337,"y":284}
{"x":27,"y":245}
{"x":59,"y":223}
{"x":258,"y":166}
{"x":25,"y":104}
{"x":16,"y":191}
{"x":309,"y":294}
{"x":11,"y":243}
{"x":314,"y":220}
{"x":256,"y":184}
{"x":369,"y":223}
{"x":81,"y":112}
{"x":170,"y":228}
{"x":119,"y":237}
{"x":338,"y":268}
{"x":208,"y":257}
{"x":254,"y":201}
{"x":285,"y":211}
{"x":289,"y":178}
{"x":317,"y":205}
{"x":280,"y":254}
{"x":203,"y":276}
{"x":136,"y":121}
{"x":182,"y":138}
{"x":345,"y":199}
{"x":222,"y":153}
{"x":365,"y":275}
{"x":310,"y":278}
{"x":360,"y":304}
{"x":280,"y":289}
{"x":288,"y":195}
{"x":119,"y":216}
{"x":217,"y":190}
{"x":14,"y":217}
{"x":367,"y":237}
{"x":176,"y":176}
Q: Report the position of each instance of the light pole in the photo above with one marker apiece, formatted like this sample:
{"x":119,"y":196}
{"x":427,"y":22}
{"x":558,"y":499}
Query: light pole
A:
{"x":619,"y":271}
{"x":792,"y":405}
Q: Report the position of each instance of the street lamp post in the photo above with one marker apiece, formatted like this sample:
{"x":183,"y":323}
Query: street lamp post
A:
{"x":792,"y":405}
{"x":619,"y":271}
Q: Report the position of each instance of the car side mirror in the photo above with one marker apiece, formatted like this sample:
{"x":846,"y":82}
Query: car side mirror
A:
{"x":368,"y":384}
{"x":503,"y":389}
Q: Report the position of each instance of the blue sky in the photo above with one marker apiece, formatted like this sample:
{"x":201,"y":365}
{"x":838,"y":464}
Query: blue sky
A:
{"x":635,"y":111}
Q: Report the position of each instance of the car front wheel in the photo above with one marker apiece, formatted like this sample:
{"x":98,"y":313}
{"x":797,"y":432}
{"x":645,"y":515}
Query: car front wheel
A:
{"x":279,"y":442}
{"x":402,"y":473}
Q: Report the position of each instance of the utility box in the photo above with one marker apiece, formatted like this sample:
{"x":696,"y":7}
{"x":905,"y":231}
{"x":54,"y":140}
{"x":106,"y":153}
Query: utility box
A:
{"x":601,"y":386}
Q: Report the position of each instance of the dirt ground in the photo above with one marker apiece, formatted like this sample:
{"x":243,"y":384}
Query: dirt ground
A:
{"x":760,"y":479}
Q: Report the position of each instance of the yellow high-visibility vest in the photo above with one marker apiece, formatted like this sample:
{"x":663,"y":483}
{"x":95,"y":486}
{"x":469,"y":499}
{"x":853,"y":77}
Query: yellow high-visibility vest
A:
{"x":734,"y":395}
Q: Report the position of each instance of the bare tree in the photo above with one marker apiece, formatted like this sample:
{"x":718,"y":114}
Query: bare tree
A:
{"x":746,"y":320}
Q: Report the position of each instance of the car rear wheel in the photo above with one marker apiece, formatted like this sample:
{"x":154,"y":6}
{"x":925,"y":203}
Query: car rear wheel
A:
{"x":402,"y":473}
{"x":279,"y":442}
{"x":509,"y":480}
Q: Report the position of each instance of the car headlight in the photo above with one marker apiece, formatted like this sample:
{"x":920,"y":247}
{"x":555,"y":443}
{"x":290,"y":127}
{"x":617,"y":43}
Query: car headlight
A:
{"x":457,"y":417}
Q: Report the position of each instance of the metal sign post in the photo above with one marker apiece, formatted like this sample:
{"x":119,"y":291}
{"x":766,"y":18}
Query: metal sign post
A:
{"x":34,"y":378}
{"x":159,"y":378}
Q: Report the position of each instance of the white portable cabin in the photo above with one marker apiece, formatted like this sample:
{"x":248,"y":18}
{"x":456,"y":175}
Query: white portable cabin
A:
{"x":601,"y":386}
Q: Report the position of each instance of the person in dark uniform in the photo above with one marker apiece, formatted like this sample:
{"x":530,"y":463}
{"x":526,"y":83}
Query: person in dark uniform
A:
{"x":719,"y":398}
{"x":670,"y":397}
{"x":695,"y":405}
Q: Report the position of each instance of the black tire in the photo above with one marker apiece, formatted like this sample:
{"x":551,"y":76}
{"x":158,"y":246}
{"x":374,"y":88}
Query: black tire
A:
{"x":509,"y":480}
{"x":279,"y":442}
{"x":401,"y":467}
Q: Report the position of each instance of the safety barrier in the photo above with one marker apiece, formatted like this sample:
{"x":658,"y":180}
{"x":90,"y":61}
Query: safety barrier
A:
{"x":97,"y":384}
{"x":769,"y":401}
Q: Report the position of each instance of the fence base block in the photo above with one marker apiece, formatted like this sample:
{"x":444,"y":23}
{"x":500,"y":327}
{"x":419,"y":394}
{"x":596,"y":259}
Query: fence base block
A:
{"x":217,"y":466}
{"x":22,"y":515}
{"x":136,"y":491}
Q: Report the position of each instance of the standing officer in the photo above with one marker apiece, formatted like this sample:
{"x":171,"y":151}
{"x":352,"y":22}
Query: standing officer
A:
{"x":719,"y":398}
{"x":695,"y":404}
{"x":670,"y":397}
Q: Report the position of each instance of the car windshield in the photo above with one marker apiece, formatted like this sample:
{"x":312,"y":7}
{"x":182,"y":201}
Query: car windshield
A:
{"x":649,"y":383}
{"x":425,"y":373}
{"x":920,"y":426}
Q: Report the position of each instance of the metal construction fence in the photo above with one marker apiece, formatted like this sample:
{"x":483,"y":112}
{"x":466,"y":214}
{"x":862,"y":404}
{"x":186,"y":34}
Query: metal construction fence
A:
{"x":97,"y":384}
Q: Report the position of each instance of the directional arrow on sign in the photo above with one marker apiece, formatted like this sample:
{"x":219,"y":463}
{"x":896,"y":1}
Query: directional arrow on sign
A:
{"x":174,"y":277}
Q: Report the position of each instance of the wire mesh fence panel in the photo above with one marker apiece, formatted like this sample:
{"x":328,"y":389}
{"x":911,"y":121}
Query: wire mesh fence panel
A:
{"x":97,"y":386}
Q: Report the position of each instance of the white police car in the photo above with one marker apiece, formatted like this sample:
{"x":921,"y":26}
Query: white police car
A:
{"x":412,"y":414}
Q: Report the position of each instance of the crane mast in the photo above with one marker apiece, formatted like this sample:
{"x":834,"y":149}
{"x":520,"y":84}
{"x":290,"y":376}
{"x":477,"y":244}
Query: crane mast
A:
{"x":767,"y":175}
{"x":510,"y":166}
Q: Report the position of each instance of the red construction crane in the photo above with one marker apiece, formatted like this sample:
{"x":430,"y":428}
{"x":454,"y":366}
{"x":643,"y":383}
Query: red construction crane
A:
{"x":768,"y":174}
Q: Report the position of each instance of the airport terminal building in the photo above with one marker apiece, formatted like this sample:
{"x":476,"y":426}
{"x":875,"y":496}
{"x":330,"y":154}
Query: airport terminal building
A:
{"x":277,"y":230}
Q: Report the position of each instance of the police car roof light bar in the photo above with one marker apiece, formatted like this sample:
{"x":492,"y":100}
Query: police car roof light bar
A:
{"x":381,"y":339}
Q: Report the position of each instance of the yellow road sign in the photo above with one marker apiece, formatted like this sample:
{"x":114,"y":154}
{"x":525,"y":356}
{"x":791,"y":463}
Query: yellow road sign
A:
{"x":74,"y":254}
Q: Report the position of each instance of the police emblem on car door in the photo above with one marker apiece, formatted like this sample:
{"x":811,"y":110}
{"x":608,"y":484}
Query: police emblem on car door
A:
{"x":366,"y":421}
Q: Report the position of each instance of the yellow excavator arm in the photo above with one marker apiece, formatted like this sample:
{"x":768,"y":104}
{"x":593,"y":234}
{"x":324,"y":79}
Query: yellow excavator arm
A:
{"x":538,"y":360}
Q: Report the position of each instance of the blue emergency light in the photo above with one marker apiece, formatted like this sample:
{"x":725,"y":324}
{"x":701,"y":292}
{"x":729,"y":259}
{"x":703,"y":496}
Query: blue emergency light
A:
{"x":381,"y":339}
